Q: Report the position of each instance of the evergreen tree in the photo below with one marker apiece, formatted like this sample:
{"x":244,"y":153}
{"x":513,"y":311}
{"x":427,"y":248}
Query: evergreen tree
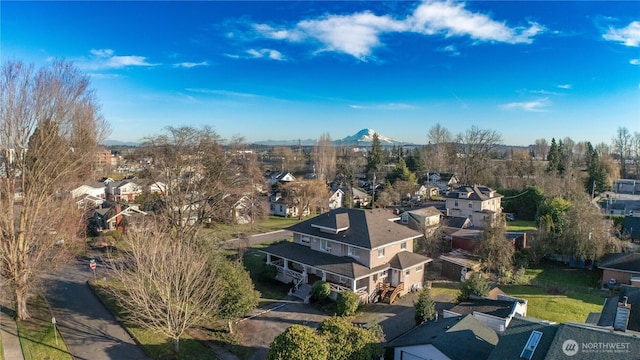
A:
{"x":477,"y":284}
{"x":553,"y":157}
{"x":597,"y":180}
{"x":425,"y":307}
{"x":376,"y":156}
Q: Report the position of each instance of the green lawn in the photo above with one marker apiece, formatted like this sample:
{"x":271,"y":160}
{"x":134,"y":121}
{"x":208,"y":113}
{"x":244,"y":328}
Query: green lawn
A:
{"x":37,"y":334}
{"x":445,"y":291}
{"x":573,"y":306}
{"x":223,"y":232}
{"x":158,"y":345}
{"x":521,"y":225}
{"x":551,"y":274}
{"x":270,"y":289}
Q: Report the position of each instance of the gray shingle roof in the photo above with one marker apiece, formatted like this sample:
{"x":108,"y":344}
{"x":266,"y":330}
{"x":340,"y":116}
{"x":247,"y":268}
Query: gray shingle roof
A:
{"x":586,"y":334}
{"x":459,"y":338}
{"x":608,"y":313}
{"x":368,"y":229}
{"x":406,"y":259}
{"x":629,"y":262}
{"x":475,"y":193}
{"x":516,"y":336}
{"x":341,"y":265}
{"x":498,"y":308}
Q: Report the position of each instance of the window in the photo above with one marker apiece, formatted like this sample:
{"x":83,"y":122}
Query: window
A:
{"x":407,"y":273}
{"x":304,"y":239}
{"x":419,"y":268}
{"x":470,"y":205}
{"x":325,"y":245}
{"x":456,"y":203}
{"x":381,"y":252}
{"x":383,"y":274}
{"x":351,"y":251}
{"x":403,"y":245}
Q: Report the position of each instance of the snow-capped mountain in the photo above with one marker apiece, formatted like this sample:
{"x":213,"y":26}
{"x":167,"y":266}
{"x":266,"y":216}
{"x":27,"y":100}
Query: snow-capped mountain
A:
{"x":365,"y":137}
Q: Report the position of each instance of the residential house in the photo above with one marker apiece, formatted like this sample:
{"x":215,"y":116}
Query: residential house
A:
{"x":444,"y":181}
{"x":626,"y":186}
{"x":279,"y":206}
{"x":117,"y":217}
{"x":622,"y":311}
{"x":95,"y":189}
{"x":241,"y":210}
{"x":533,"y":339}
{"x":364,"y":251}
{"x":89,"y":202}
{"x":282,"y":177}
{"x":478,"y":203}
{"x":359,"y":198}
{"x":336,"y":200}
{"x":425,"y":191}
{"x":631,"y":226}
{"x":622,"y":268}
{"x":454,"y":338}
{"x":421,"y":219}
{"x":496,"y":314}
{"x":125,"y":190}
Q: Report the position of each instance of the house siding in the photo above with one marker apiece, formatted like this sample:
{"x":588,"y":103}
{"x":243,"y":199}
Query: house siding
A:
{"x":620,"y":276}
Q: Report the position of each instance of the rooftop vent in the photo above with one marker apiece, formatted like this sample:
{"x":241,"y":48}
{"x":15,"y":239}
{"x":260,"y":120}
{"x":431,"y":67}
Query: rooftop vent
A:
{"x":530,"y":346}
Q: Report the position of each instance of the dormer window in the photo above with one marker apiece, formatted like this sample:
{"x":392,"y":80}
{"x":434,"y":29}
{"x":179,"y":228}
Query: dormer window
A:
{"x":381,"y":252}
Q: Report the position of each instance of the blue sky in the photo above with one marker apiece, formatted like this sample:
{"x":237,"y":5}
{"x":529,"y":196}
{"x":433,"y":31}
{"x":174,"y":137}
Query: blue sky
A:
{"x":294,"y":70}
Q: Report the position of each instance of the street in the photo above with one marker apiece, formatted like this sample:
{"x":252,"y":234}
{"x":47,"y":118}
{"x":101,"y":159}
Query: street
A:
{"x":88,"y":328}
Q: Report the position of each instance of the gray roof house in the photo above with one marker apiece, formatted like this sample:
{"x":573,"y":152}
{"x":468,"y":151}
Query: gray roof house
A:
{"x":364,"y":251}
{"x":454,"y":338}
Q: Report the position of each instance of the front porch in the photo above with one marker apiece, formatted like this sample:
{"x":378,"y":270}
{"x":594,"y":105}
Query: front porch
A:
{"x":298,"y":274}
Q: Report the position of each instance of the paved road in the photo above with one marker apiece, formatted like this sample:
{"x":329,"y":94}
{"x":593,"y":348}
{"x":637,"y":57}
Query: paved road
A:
{"x":87,"y":327}
{"x":259,"y":239}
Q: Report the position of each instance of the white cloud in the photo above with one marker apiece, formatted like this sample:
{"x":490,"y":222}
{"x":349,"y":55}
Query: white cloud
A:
{"x":358,"y":34}
{"x":634,"y":61}
{"x":101,"y":52}
{"x":539,"y":105}
{"x":450,"y":49}
{"x":190,"y":65}
{"x":105,"y":59}
{"x":453,"y":19}
{"x":628,"y":36}
{"x":565,"y":86}
{"x":266,"y":53}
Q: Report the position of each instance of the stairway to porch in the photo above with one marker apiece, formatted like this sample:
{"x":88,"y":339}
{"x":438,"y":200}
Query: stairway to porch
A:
{"x":303,"y":292}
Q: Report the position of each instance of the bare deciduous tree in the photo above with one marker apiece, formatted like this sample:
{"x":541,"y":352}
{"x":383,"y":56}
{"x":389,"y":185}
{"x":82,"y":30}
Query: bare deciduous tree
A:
{"x":171,"y":284}
{"x":50,"y":126}
{"x":324,"y":158}
{"x":474,"y":148}
{"x":197,"y":175}
{"x":540,"y":148}
{"x":622,"y":147}
{"x":495,"y":250}
{"x":307,"y":195}
{"x":437,"y":150}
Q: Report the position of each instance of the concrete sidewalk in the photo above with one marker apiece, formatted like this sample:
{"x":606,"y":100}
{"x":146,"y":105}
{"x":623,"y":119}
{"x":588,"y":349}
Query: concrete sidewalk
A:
{"x":9,"y":335}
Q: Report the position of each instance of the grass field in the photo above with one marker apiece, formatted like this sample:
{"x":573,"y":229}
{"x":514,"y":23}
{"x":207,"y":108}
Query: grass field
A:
{"x":521,"y":225}
{"x":573,"y":306}
{"x":579,"y":292}
{"x":37,"y":334}
{"x":222,"y":232}
{"x":445,"y":291}
{"x":270,"y":290}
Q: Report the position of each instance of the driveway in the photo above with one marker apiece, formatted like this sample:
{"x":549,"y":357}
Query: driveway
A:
{"x":259,"y":330}
{"x":87,"y":327}
{"x":258,"y":239}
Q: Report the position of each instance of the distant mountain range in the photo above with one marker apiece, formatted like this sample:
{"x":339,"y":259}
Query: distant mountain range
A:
{"x":119,"y":143}
{"x":363,"y":137}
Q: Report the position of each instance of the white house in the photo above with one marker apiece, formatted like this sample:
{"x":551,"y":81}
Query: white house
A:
{"x":336,"y":200}
{"x":477,"y":203}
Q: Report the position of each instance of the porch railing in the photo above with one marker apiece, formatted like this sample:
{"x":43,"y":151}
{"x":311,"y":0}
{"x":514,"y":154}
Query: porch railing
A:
{"x":338,"y":288}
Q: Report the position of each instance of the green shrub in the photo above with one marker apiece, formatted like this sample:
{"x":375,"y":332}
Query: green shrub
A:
{"x":320,"y":291}
{"x":476,"y":284}
{"x":268,"y":272}
{"x":347,"y":303}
